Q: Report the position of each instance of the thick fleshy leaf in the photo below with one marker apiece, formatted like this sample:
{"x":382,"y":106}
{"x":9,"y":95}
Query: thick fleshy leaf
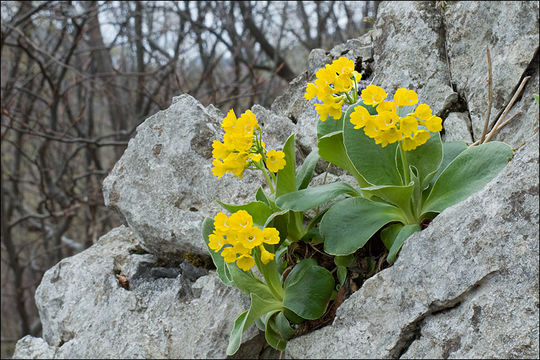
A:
{"x":307,"y":289}
{"x":394,"y":194}
{"x":427,"y":159}
{"x":375,"y":163}
{"x":248,"y":283}
{"x":329,"y":126}
{"x":349,"y":224}
{"x":221,"y":269}
{"x":270,"y":273}
{"x":305,"y":172}
{"x":450,"y":151}
{"x":284,"y":327}
{"x":389,"y":234}
{"x":259,"y":211}
{"x":332,"y":149}
{"x":341,"y":274}
{"x":314,"y":196}
{"x":345,"y":260}
{"x":286,"y":177}
{"x":259,"y":307}
{"x":468,"y":173}
{"x":405,"y":232}
{"x":272,"y":335}
{"x":261,"y":196}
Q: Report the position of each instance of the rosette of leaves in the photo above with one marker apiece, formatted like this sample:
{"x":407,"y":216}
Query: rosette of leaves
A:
{"x":281,"y":298}
{"x":441,"y":175}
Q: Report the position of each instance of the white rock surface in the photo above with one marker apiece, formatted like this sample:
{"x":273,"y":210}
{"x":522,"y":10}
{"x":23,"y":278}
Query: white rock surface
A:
{"x":86,"y":313}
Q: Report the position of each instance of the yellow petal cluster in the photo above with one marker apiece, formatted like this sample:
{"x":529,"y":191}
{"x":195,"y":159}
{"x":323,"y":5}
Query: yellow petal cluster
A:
{"x":237,"y":236}
{"x":389,"y":126}
{"x":333,"y":81}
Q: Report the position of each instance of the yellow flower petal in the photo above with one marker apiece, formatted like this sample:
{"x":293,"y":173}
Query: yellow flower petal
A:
{"x":275,"y":160}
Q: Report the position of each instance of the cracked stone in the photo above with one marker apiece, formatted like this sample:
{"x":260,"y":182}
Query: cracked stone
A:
{"x":456,"y":128}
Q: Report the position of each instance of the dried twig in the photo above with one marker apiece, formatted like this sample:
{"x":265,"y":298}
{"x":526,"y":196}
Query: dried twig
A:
{"x":500,"y":123}
{"x":490,"y":95}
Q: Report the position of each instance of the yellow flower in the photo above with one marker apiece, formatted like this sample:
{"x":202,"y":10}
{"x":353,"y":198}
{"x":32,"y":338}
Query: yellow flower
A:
{"x":404,"y":97}
{"x":250,"y":237}
{"x":216,"y":241}
{"x":240,"y":220}
{"x":434,"y":124}
{"x":373,"y":95}
{"x":229,"y":121}
{"x":386,"y":106}
{"x":270,"y":236}
{"x":359,"y":117}
{"x":342,"y":66}
{"x":221,"y":222}
{"x":255,"y":157}
{"x":386,"y":120}
{"x":311,"y":91}
{"x":411,"y":143}
{"x":266,"y":256}
{"x":245,"y":262}
{"x":422,"y":112}
{"x":409,"y":126}
{"x":275,"y":160}
{"x":220,"y":150}
{"x":229,"y":255}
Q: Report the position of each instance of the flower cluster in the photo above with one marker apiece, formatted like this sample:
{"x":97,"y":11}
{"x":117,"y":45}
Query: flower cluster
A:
{"x":332,"y":87}
{"x":242,"y":146}
{"x":389,"y":125}
{"x":238,"y":237}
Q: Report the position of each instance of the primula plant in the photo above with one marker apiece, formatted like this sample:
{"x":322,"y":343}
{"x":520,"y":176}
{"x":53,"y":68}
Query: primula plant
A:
{"x":405,"y":176}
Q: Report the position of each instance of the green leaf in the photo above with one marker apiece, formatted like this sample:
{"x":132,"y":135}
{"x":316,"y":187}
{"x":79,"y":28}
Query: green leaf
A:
{"x":403,"y":235}
{"x":450,"y":151}
{"x":261,"y":196}
{"x":389,"y":234}
{"x":270,"y":273}
{"x":222,"y":271}
{"x":314,"y":196}
{"x":248,"y":283}
{"x":349,"y":224}
{"x":329,"y":126}
{"x":286,"y":177}
{"x":427,"y":159}
{"x":375,"y":163}
{"x":341,"y":274}
{"x":394,"y":194}
{"x":259,"y":211}
{"x":468,"y":173}
{"x":344,"y":260}
{"x":284,"y":327}
{"x":272,"y":335}
{"x":332,"y":149}
{"x":259,"y":307}
{"x":307,"y":289}
{"x":305,"y":172}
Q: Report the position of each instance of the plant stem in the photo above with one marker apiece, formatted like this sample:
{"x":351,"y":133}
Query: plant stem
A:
{"x":268,"y":180}
{"x":404,"y":163}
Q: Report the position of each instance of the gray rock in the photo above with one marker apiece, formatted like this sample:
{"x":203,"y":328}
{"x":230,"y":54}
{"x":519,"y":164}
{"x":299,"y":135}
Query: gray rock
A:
{"x":467,"y":286}
{"x":457,"y":127}
{"x":163,"y":184}
{"x":409,"y":52}
{"x":91,"y":307}
{"x":30,"y":347}
{"x":510,"y":29}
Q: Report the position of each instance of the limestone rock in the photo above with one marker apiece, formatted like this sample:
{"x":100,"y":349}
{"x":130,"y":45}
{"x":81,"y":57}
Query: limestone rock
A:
{"x":511,"y":30}
{"x":467,"y":286}
{"x":105,"y":302}
{"x":163,"y":184}
{"x":457,"y":128}
{"x":409,"y":52}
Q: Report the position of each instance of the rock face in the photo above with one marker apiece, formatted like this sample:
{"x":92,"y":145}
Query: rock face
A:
{"x":467,"y":286}
{"x":111,"y":301}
